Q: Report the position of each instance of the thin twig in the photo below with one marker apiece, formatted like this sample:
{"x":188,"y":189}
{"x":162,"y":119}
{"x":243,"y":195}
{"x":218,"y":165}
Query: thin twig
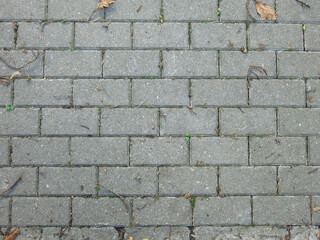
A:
{"x":115,"y":193}
{"x":9,"y":188}
{"x":303,"y":4}
{"x":15,"y":67}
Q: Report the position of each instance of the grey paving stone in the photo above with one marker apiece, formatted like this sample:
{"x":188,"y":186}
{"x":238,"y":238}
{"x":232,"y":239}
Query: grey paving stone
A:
{"x":4,"y":151}
{"x":7,"y":35}
{"x":219,"y":93}
{"x":29,"y":233}
{"x":315,"y":214}
{"x":160,"y":92}
{"x":66,"y":122}
{"x":128,"y":10}
{"x":222,"y":211}
{"x":218,"y":35}
{"x":100,"y":151}
{"x":313,"y":93}
{"x":131,"y":64}
{"x":52,"y":233}
{"x":275,"y":36}
{"x":40,"y":151}
{"x":101,"y":92}
{"x":190,"y":64}
{"x":175,"y":181}
{"x":283,"y":210}
{"x":247,"y":121}
{"x":314,"y":151}
{"x":296,"y":12}
{"x":238,"y":64}
{"x":99,"y":212}
{"x":73,"y":63}
{"x":19,"y":122}
{"x":51,"y":35}
{"x":29,"y":10}
{"x":4,"y":211}
{"x":277,"y":93}
{"x":312,"y":36}
{"x":298,"y":64}
{"x":67,"y":181}
{"x":248,"y":180}
{"x":72,"y":10}
{"x":304,"y":232}
{"x":196,"y":121}
{"x":189,"y":10}
{"x":95,"y":35}
{"x":42,"y":92}
{"x":132,"y":181}
{"x":40,"y":211}
{"x":5,"y":93}
{"x":107,"y":233}
{"x":156,"y":35}
{"x":229,"y":8}
{"x":238,"y":233}
{"x":17,"y":59}
{"x":129,"y":122}
{"x":173,"y":233}
{"x":158,"y":151}
{"x":278,"y":151}
{"x":297,"y":122}
{"x":299,"y":180}
{"x":166,"y":211}
{"x":218,"y":151}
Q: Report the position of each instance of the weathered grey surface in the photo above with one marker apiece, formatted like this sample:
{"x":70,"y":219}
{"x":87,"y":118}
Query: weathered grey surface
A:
{"x":7,"y":35}
{"x":174,"y":233}
{"x":314,"y":150}
{"x":313,"y":93}
{"x":4,"y":151}
{"x":107,"y":233}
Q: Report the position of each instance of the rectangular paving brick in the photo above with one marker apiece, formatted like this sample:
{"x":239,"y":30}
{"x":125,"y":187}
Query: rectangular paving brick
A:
{"x":157,"y":233}
{"x":277,"y":93}
{"x":229,"y":8}
{"x":42,"y":35}
{"x":99,"y":212}
{"x":160,"y":92}
{"x":19,"y":122}
{"x":73,"y":63}
{"x":4,"y":211}
{"x":313,"y":93}
{"x":75,"y":122}
{"x":100,"y":151}
{"x":299,"y":180}
{"x":190,"y":64}
{"x":298,"y":64}
{"x":133,"y":181}
{"x":248,"y":180}
{"x":130,"y":122}
{"x":101,"y":92}
{"x":177,"y":181}
{"x":165,"y":211}
{"x":275,"y":210}
{"x":315,"y":214}
{"x":222,"y":211}
{"x":196,"y":121}
{"x":29,"y":62}
{"x":218,"y":151}
{"x":238,"y":64}
{"x":131,"y":64}
{"x":4,"y":151}
{"x":272,"y":37}
{"x":312,"y":36}
{"x":40,"y":151}
{"x":247,"y":121}
{"x":278,"y":151}
{"x":158,"y":151}
{"x":314,"y":151}
{"x":7,"y":35}
{"x":187,"y":10}
{"x":87,"y":233}
{"x":299,"y":122}
{"x":42,"y":92}
{"x":156,"y":35}
{"x":40,"y":211}
{"x":29,"y":10}
{"x":26,"y":185}
{"x":5,"y":93}
{"x":95,"y":35}
{"x":218,"y":35}
{"x":218,"y":93}
{"x":67,"y":181}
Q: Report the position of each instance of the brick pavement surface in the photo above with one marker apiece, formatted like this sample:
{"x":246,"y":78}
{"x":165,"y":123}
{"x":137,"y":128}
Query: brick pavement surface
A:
{"x":160,"y":119}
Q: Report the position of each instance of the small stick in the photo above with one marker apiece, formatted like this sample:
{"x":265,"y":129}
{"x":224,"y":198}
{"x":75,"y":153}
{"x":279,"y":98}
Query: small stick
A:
{"x":314,"y":170}
{"x":121,"y":198}
{"x":142,"y":103}
{"x":303,"y":4}
{"x":9,"y":188}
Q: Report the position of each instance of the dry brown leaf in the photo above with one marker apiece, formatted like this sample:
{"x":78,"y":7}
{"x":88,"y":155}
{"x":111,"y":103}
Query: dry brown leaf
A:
{"x":316,"y":209}
{"x":105,"y":3}
{"x":318,"y":235}
{"x":12,"y":235}
{"x":16,"y":74}
{"x":265,"y":11}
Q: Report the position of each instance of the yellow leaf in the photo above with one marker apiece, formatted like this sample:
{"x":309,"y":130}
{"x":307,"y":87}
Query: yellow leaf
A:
{"x":265,"y":11}
{"x":105,"y":3}
{"x":12,"y":235}
{"x":316,"y":209}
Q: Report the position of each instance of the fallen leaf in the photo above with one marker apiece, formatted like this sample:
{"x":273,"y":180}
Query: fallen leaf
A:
{"x":187,"y":195}
{"x":105,"y":3}
{"x":16,"y":74}
{"x":139,"y":8}
{"x":261,"y":47}
{"x":130,"y":238}
{"x":318,"y":235}
{"x":244,"y":50}
{"x":265,"y":11}
{"x":316,"y":209}
{"x":12,"y":235}
{"x":6,"y":83}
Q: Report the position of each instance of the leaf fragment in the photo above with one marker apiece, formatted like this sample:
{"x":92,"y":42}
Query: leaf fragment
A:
{"x":316,"y":209}
{"x":16,"y":74}
{"x":265,"y":11}
{"x":12,"y":235}
{"x":105,"y":3}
